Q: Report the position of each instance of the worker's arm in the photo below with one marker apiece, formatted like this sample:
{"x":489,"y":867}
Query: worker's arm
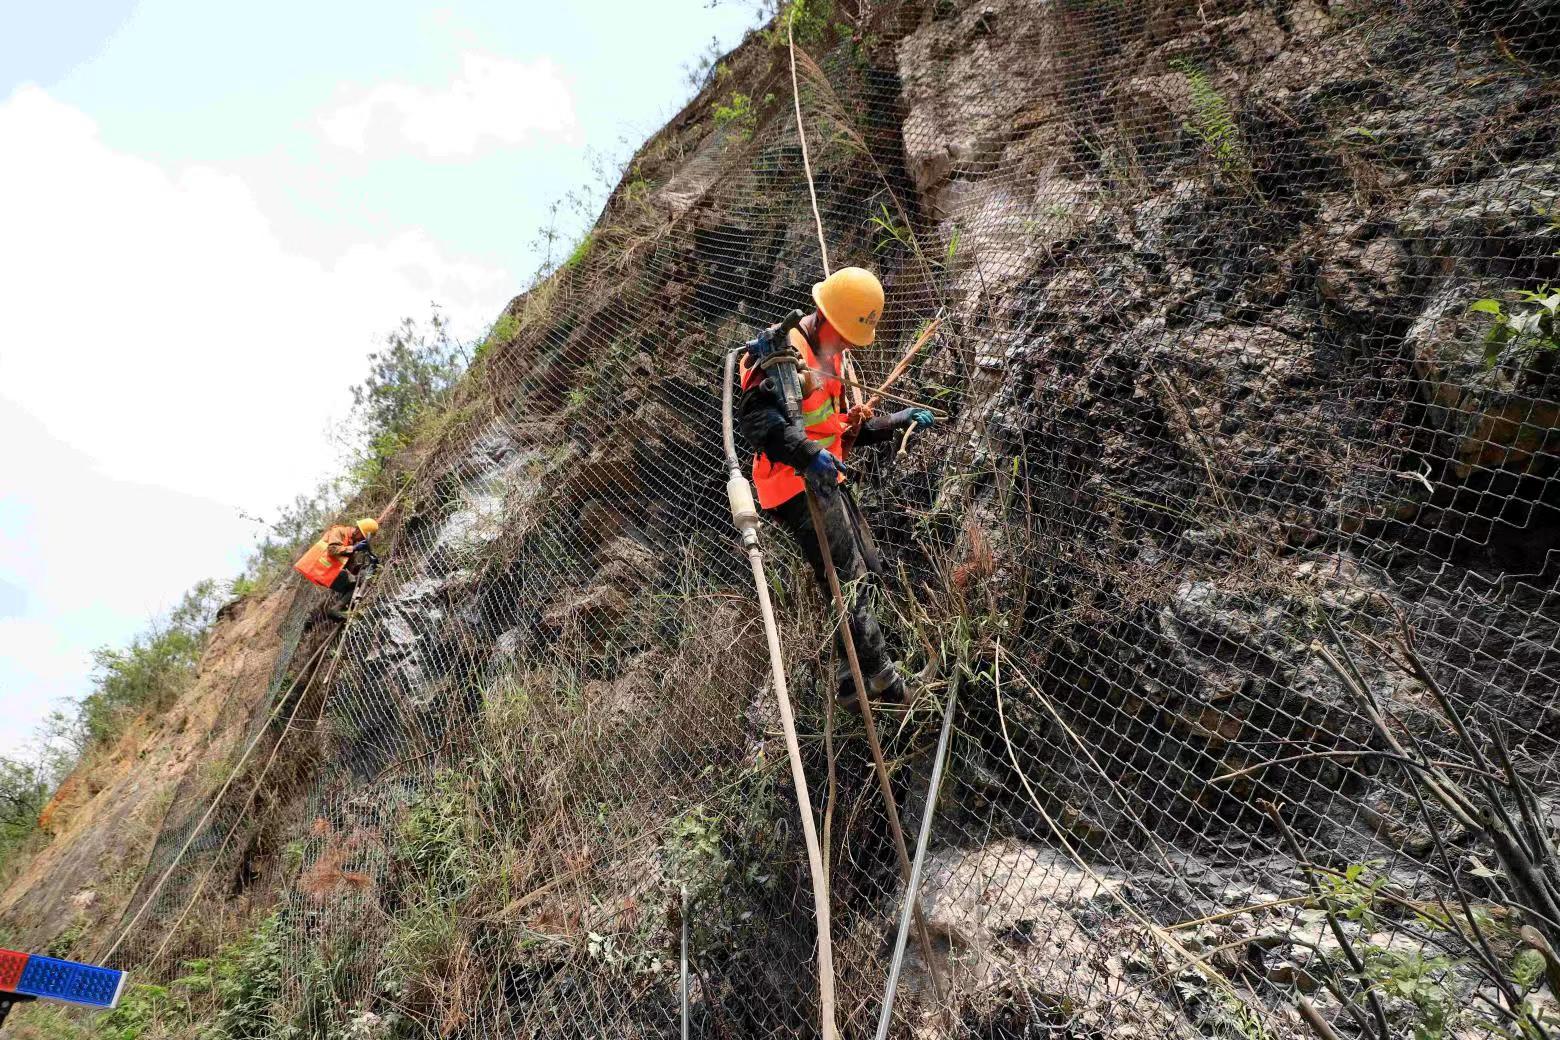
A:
{"x":338,"y":542}
{"x":766,"y":428}
{"x":884,"y":427}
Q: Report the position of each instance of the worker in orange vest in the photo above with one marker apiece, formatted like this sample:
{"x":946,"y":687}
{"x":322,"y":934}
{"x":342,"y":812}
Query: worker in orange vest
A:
{"x":805,"y":455}
{"x":335,"y":561}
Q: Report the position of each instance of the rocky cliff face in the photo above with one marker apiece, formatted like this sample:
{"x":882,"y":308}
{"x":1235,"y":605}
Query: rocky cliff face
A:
{"x":1216,"y":399}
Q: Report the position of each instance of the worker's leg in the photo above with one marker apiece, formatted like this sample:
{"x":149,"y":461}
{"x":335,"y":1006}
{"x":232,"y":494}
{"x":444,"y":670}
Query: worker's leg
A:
{"x":856,"y":581}
{"x":343,"y":586}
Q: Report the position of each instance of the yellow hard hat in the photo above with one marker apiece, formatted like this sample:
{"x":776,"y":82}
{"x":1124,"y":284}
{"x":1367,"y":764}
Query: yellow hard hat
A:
{"x":852,"y":299}
{"x":369,"y":526}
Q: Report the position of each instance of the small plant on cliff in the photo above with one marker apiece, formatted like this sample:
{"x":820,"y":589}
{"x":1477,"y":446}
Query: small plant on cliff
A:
{"x":581,"y":252}
{"x":1212,"y":121}
{"x":506,"y":328}
{"x":1427,"y":984}
{"x":890,"y":231}
{"x":738,"y":114}
{"x":809,"y":20}
{"x":143,"y":1010}
{"x":1529,"y":328}
{"x":431,"y":842}
{"x":246,"y":980}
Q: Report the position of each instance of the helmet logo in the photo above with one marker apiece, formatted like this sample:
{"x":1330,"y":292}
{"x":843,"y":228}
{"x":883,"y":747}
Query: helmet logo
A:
{"x":869,"y":319}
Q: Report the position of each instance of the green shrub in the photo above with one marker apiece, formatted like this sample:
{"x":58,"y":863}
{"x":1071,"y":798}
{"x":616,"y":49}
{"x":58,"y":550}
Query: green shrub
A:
{"x":246,"y":979}
{"x":738,"y":114}
{"x":1522,"y":332}
{"x":810,"y":21}
{"x":432,"y":843}
{"x":506,"y":328}
{"x":581,"y":252}
{"x":141,"y":1010}
{"x":154,"y":669}
{"x":408,"y":379}
{"x":1425,"y":983}
{"x":24,"y":791}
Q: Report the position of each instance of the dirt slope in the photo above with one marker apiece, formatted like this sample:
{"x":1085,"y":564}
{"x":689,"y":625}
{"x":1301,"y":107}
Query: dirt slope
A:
{"x":103,"y":820}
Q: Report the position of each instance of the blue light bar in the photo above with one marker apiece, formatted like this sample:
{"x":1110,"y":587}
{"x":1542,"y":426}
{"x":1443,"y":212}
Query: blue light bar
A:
{"x":49,"y":978}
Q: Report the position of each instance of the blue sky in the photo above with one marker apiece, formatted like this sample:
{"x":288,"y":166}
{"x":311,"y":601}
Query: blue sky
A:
{"x":210,"y":214}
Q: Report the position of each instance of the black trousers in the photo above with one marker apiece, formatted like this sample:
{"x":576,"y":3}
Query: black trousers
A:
{"x":859,"y":569}
{"x":344,"y":584}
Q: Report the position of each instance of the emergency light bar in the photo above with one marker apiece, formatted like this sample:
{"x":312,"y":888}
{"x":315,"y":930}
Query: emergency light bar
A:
{"x":48,"y":978}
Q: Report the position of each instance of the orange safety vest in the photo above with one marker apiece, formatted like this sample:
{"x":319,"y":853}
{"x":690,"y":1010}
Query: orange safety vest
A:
{"x":823,"y":413}
{"x":318,"y":565}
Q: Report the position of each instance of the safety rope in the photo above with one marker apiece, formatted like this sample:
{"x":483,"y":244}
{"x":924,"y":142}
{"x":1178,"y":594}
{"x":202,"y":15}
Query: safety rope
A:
{"x":812,"y":190}
{"x":311,"y":671}
{"x":880,"y":768}
{"x":211,"y":810}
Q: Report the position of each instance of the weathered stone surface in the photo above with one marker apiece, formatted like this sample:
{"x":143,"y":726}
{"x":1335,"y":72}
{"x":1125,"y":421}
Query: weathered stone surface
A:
{"x":966,"y":78}
{"x":1025,"y":915}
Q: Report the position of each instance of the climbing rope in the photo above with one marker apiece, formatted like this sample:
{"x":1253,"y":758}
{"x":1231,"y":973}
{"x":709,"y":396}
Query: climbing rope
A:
{"x":211,"y":810}
{"x":801,"y":131}
{"x":311,"y":670}
{"x":334,"y":643}
{"x":880,"y":768}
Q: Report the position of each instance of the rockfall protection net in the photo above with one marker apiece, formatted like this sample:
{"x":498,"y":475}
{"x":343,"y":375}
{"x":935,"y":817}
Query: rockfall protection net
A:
{"x":1221,"y":408}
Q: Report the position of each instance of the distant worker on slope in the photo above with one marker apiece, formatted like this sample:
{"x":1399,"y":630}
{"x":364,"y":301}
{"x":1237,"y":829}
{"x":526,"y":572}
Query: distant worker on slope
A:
{"x":335,"y":561}
{"x":796,"y":456}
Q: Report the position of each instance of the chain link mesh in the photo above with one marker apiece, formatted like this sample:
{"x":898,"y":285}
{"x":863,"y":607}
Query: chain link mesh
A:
{"x":1220,"y":414}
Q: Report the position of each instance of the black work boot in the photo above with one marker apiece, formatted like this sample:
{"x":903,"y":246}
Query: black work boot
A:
{"x":886,"y":687}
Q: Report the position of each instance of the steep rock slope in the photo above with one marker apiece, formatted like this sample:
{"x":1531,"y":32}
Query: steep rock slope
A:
{"x":1215,"y":398}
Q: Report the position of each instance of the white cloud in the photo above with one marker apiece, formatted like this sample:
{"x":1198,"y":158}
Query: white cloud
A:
{"x":98,"y":559}
{"x":154,"y":321}
{"x":165,"y":361}
{"x":493,"y":102}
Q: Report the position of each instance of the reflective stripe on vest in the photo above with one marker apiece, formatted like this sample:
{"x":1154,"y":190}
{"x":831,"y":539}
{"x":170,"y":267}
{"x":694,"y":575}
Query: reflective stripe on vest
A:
{"x":777,"y":483}
{"x":818,"y":414}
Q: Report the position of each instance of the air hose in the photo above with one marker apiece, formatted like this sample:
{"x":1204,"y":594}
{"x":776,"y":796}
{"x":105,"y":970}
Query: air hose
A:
{"x":744,"y":515}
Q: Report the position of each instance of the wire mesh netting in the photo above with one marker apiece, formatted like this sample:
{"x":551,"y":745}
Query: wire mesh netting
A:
{"x":1236,"y":541}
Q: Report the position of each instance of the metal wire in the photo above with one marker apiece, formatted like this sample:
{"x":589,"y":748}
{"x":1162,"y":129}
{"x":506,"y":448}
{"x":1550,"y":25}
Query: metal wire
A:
{"x":1220,"y":409}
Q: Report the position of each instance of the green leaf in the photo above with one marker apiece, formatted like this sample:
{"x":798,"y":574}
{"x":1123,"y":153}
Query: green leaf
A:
{"x":1486,"y":307}
{"x":1527,"y":967}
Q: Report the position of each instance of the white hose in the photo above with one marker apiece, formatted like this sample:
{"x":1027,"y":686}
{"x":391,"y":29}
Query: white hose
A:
{"x":685,"y":962}
{"x":745,"y":516}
